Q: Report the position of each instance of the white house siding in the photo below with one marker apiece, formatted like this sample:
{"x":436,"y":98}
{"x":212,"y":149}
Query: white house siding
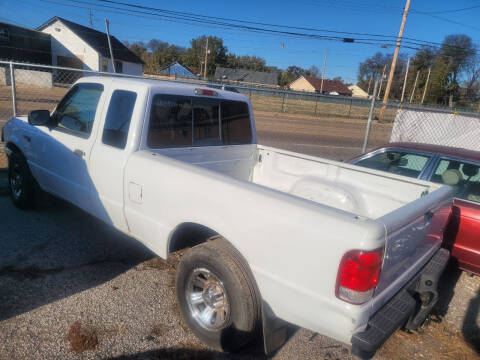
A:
{"x":127,"y":67}
{"x":301,"y":84}
{"x":66,"y":43}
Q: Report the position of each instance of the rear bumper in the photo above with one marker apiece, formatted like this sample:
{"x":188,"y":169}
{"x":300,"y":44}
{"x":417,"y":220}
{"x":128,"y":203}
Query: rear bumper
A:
{"x":409,"y":308}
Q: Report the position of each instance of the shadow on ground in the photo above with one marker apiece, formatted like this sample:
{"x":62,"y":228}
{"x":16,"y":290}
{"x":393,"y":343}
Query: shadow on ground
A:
{"x":55,"y":251}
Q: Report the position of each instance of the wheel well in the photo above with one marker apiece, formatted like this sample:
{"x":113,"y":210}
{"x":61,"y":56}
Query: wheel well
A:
{"x":14,"y":147}
{"x":188,"y":235}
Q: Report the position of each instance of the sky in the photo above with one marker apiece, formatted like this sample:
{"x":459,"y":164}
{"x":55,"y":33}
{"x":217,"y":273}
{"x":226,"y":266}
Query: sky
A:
{"x":429,"y":20}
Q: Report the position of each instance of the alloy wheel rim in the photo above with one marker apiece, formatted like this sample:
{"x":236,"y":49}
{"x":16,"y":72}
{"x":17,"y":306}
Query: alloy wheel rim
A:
{"x":207,"y":299}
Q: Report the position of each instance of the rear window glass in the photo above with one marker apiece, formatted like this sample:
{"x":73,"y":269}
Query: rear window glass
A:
{"x":118,"y":118}
{"x":206,"y":122}
{"x":179,"y":121}
{"x":236,"y":128}
{"x":170,"y":122}
{"x":396,"y":162}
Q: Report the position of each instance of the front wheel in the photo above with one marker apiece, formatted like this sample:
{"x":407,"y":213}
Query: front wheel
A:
{"x":217,"y":297}
{"x":20,"y":180}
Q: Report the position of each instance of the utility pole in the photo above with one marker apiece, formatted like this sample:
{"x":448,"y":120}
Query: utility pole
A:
{"x":405,"y":81}
{"x":90,"y":16}
{"x":323,"y":71}
{"x":110,"y":45}
{"x":394,"y":60}
{"x":426,"y":84}
{"x":381,"y":82}
{"x":369,"y":83}
{"x":206,"y":59}
{"x":414,"y":86}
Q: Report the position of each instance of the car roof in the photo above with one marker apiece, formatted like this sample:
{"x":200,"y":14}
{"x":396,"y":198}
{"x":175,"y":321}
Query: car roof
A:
{"x":163,"y":86}
{"x":437,"y":149}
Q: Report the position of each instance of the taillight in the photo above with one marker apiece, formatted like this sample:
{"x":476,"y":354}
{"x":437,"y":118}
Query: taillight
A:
{"x":358,"y":275}
{"x":206,"y":92}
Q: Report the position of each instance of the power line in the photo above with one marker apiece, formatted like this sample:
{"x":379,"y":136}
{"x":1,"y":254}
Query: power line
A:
{"x":452,"y":11}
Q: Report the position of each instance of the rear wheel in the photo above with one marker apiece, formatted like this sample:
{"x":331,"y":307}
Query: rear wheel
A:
{"x":20,"y":180}
{"x":217,"y":297}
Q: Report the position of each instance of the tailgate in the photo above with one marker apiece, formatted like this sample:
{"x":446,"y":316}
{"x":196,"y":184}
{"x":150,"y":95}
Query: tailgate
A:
{"x":414,"y":233}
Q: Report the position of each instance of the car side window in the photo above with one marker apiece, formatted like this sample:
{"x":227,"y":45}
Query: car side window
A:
{"x":76,"y":112}
{"x":119,"y":115}
{"x":396,"y":162}
{"x":462,"y":176}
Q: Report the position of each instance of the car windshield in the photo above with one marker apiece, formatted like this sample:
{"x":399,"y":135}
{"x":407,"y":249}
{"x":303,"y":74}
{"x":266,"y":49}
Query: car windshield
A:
{"x":396,"y":162}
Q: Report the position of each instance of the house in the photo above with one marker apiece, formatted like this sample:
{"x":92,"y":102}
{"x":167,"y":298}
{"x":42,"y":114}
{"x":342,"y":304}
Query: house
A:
{"x":27,"y":46}
{"x":246,"y":76}
{"x":178,"y":70}
{"x":358,"y":92}
{"x":313,"y":84}
{"x":77,"y":46}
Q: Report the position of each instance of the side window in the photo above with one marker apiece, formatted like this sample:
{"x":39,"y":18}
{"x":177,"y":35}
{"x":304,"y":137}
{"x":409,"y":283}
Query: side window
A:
{"x":396,"y":162}
{"x":463,"y":177}
{"x":236,"y":125}
{"x":206,"y":121}
{"x":119,"y":115}
{"x":76,"y":112}
{"x":170,"y":122}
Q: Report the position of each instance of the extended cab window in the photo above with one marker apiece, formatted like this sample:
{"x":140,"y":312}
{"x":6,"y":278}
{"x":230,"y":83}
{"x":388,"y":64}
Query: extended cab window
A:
{"x":119,"y":115}
{"x":396,"y":162}
{"x":76,"y":112}
{"x":170,"y":122}
{"x":463,"y":177}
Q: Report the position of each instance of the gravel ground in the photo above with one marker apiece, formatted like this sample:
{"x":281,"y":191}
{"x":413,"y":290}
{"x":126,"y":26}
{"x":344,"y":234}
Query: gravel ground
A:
{"x":64,"y":275}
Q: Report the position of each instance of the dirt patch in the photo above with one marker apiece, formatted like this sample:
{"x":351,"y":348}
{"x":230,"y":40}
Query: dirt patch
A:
{"x":3,"y":159}
{"x":158,"y":330}
{"x":435,"y":341}
{"x":82,"y":338}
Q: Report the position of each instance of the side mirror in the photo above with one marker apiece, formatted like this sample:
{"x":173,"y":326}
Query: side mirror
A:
{"x":39,"y":118}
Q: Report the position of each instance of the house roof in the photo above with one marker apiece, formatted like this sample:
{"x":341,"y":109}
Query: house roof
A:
{"x":177,"y":63}
{"x":329,"y":86}
{"x":257,"y":77}
{"x":97,"y":40}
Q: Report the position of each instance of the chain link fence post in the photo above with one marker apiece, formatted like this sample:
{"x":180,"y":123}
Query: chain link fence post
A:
{"x":283,"y":101}
{"x":316,"y":103}
{"x":370,"y":116}
{"x":12,"y":84}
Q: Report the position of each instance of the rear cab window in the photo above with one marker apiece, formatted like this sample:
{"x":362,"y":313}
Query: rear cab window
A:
{"x":463,"y":176}
{"x":396,"y":162}
{"x":187,"y":121}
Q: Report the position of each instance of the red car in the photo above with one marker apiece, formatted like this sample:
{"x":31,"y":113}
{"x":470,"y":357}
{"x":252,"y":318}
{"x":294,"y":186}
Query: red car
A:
{"x":456,"y":167}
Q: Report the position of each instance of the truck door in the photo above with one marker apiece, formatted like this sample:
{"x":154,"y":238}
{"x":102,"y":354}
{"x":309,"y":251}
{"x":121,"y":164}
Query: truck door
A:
{"x":116,"y":140}
{"x":64,"y":152}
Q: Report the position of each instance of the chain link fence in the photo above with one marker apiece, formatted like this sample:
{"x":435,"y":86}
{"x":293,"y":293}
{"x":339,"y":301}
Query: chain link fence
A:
{"x":329,"y":121}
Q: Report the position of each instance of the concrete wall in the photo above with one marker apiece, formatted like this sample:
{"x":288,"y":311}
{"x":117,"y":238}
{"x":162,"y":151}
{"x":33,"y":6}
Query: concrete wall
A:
{"x":301,"y":84}
{"x":3,"y":79}
{"x":27,"y":78}
{"x":66,"y":43}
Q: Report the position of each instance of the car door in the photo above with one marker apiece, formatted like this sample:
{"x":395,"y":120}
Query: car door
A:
{"x":463,"y":234}
{"x":65,"y":149}
{"x":117,"y":139}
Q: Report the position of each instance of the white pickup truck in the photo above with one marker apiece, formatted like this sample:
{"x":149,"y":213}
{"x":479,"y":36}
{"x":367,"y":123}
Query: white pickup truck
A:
{"x":348,"y":252}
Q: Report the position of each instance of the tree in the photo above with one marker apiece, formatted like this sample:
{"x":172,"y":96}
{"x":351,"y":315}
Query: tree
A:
{"x":372,"y":68}
{"x":312,"y":71}
{"x":195,"y":55}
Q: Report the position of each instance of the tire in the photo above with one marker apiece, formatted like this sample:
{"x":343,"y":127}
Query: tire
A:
{"x":210,"y":276}
{"x":20,"y":181}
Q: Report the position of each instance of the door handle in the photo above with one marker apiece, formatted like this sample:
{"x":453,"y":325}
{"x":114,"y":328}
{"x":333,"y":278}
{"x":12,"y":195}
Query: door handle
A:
{"x":79,"y":152}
